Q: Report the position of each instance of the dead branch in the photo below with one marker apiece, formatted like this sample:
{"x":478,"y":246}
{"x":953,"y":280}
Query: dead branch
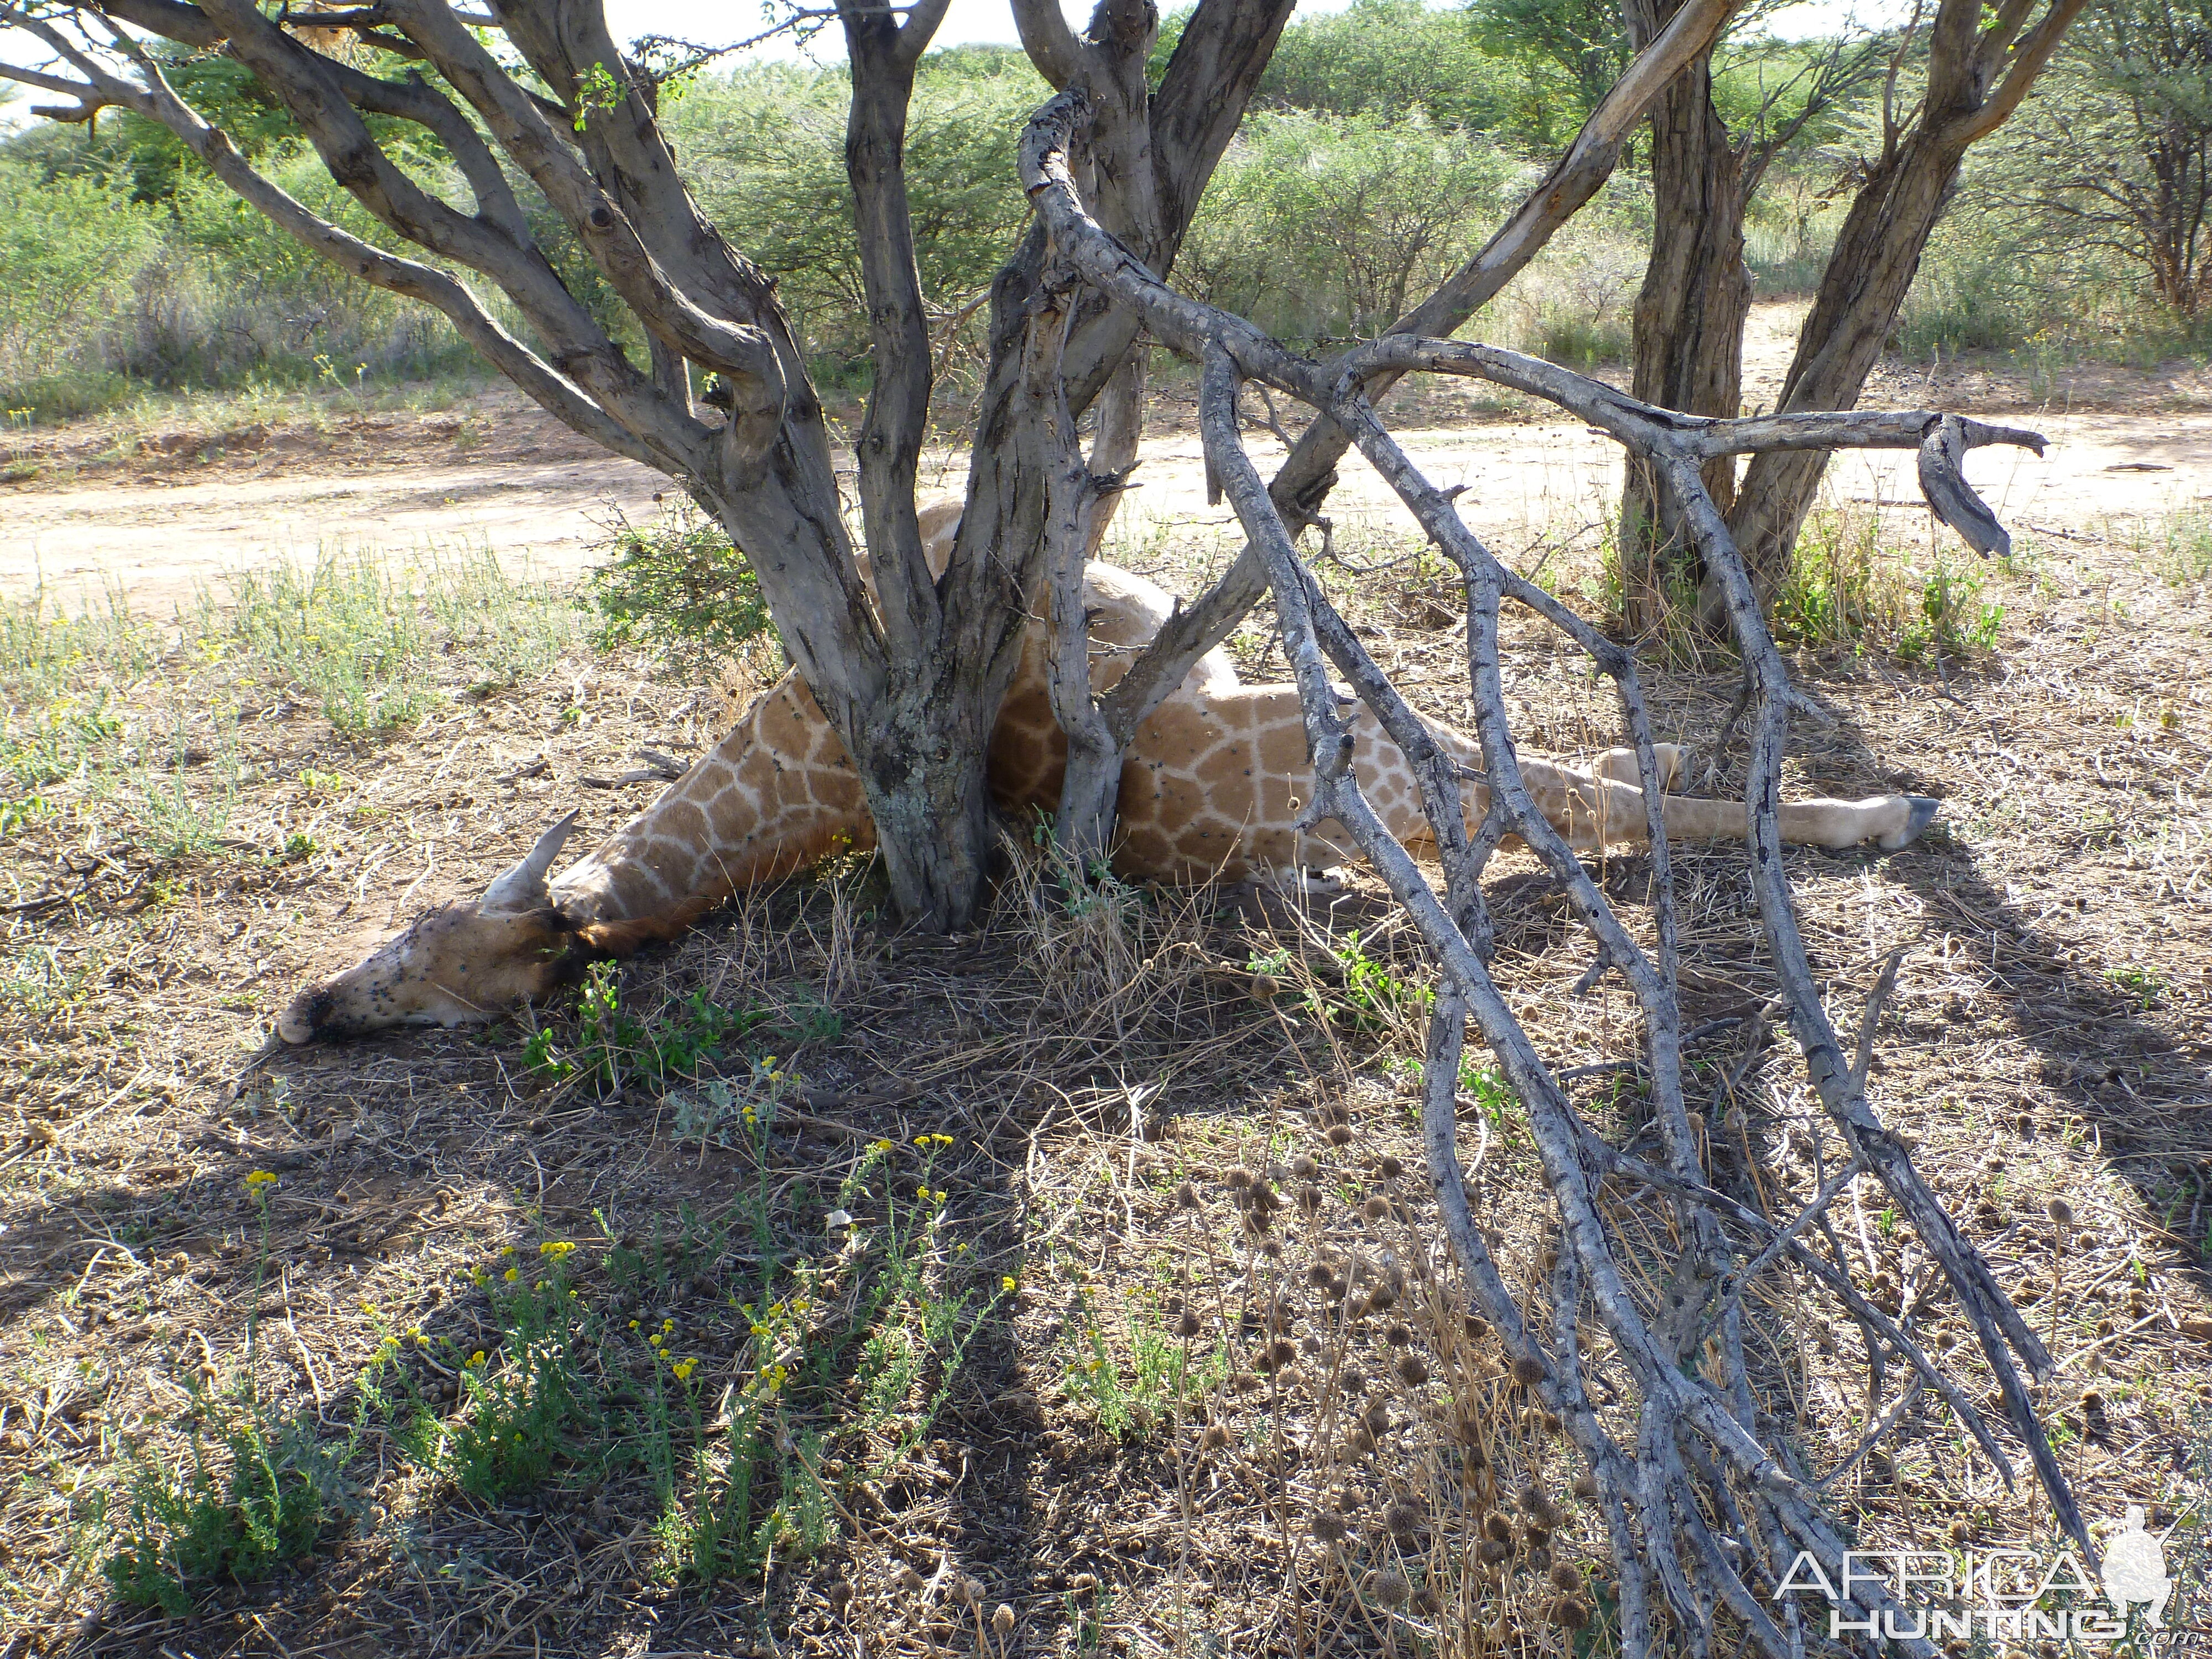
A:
{"x":1695,"y":1452}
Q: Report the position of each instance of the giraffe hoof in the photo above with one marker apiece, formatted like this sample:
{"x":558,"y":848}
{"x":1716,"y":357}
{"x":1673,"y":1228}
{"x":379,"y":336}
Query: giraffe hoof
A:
{"x":1922,"y":814}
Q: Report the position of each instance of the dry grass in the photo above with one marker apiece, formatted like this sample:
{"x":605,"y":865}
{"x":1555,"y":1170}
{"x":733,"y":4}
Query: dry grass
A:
{"x":1204,"y":1421}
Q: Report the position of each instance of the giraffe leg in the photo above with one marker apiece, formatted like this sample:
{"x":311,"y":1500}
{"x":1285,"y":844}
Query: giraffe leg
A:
{"x":1596,"y":812}
{"x":1619,"y":765}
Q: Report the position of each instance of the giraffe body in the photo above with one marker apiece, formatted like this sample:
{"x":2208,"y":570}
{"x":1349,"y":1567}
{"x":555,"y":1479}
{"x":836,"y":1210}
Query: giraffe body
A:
{"x":1210,"y":788}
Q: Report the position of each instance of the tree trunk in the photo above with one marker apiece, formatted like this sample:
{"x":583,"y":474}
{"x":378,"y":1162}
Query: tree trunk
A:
{"x":1876,"y":255}
{"x":1688,"y":340}
{"x":929,"y":792}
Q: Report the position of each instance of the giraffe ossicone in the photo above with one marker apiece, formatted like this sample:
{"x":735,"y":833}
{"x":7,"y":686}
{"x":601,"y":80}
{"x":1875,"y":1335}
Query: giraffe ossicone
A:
{"x":1209,"y":791}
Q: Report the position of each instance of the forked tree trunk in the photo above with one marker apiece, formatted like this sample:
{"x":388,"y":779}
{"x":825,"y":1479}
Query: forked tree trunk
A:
{"x":1688,"y":339}
{"x":1981,"y":62}
{"x":1876,"y":255}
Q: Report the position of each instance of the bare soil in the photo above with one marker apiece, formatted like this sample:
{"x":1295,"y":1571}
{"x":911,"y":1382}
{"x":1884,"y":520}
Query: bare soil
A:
{"x":2050,"y":1039}
{"x":161,"y":512}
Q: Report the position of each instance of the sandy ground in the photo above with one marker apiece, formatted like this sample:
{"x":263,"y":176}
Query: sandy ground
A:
{"x":165,"y":513}
{"x":162,"y":537}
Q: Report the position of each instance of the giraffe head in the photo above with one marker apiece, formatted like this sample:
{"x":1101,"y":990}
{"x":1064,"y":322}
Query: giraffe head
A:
{"x":458,"y":965}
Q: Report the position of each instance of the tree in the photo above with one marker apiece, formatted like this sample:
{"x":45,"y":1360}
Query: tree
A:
{"x":1113,"y":172}
{"x":2118,"y":155}
{"x":1981,"y":60}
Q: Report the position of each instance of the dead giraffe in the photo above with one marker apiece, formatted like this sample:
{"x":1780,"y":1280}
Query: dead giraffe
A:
{"x":1208,"y":791}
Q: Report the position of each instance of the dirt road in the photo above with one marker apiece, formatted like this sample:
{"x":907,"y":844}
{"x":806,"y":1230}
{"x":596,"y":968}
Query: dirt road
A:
{"x":176,"y":519}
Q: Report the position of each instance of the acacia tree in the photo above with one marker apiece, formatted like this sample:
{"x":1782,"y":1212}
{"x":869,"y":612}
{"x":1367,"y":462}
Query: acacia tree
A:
{"x":1643,"y":1358}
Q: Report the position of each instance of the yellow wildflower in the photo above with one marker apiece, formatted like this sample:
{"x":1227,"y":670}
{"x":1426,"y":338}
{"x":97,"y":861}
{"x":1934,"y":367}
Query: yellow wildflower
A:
{"x":879,"y":1146}
{"x":683,"y":1368}
{"x":1009,"y":1283}
{"x":260,"y":1181}
{"x":555,"y":1248}
{"x":512,"y":1274}
{"x":477,"y":1359}
{"x":633,"y":1324}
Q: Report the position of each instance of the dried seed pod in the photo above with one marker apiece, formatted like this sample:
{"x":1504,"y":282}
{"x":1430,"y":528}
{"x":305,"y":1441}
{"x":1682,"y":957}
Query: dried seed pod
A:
{"x":1319,"y":1275}
{"x":1569,"y":1613}
{"x":1528,"y":1371}
{"x":1377,"y":1419}
{"x":1962,"y":1531}
{"x":1002,"y":1620}
{"x":2061,"y":1211}
{"x":1390,"y":1166}
{"x":1283,"y":1353}
{"x":1339,"y":1135}
{"x":1425,"y":1602}
{"x":1185,"y":1197}
{"x":1257,"y":1219}
{"x":1538,"y":1503}
{"x":1271,"y":1249}
{"x":1496,"y":1528}
{"x":1390,"y":1589}
{"x":1309,"y":1199}
{"x":1238,"y":1179}
{"x":1249,"y":1383}
{"x":1585,"y":1484}
{"x":912,"y":1582}
{"x":1309,"y":1345}
{"x":1551,"y":1424}
{"x":1467,"y":1429}
{"x":1359,"y":1443}
{"x":966,"y":1591}
{"x":1383,"y":1296}
{"x":1376,"y":1208}
{"x":1328,"y":1527}
{"x":1304,"y":1168}
{"x":1401,"y":1520}
{"x":1538,"y":1558}
{"x":1215,"y":1437}
{"x":1477,"y":1326}
{"x":1566,"y":1579}
{"x":1550,"y":1263}
{"x":1353,"y":1380}
{"x":1189,"y":1325}
{"x":1697,"y":1124}
{"x":1491,"y":1552}
{"x":1399,"y":1335}
{"x":1412,"y":1370}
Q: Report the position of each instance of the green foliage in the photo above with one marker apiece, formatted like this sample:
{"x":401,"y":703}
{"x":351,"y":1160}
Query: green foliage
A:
{"x":250,"y":1495}
{"x":680,"y":586}
{"x":1846,"y":587}
{"x":1386,"y":59}
{"x":764,"y":151}
{"x":1318,"y":226}
{"x":1578,"y":46}
{"x":614,"y":1044}
{"x":530,"y":1407}
{"x":251,"y":1491}
{"x":1162,"y":1378}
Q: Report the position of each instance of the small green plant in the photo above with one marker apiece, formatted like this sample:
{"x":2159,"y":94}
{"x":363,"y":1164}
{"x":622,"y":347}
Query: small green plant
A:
{"x":529,"y":1405}
{"x":678,"y":585}
{"x":1165,"y":1375}
{"x":253,"y":1491}
{"x":615,"y":1044}
{"x":2144,"y":986}
{"x":1376,"y":998}
{"x":1488,"y":1090}
{"x":2187,"y":550}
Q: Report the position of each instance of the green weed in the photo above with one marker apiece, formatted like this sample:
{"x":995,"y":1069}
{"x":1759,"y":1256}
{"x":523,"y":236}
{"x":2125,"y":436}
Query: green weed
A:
{"x":2142,"y":986}
{"x":678,"y":585}
{"x":615,"y":1045}
{"x":253,"y":1491}
{"x":1165,"y":1375}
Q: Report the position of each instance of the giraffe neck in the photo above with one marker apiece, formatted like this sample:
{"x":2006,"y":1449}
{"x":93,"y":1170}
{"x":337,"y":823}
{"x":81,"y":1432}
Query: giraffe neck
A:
{"x":775,"y":795}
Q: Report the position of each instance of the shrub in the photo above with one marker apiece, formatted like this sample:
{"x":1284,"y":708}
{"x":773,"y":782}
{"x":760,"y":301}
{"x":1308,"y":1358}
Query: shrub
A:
{"x":678,"y":585}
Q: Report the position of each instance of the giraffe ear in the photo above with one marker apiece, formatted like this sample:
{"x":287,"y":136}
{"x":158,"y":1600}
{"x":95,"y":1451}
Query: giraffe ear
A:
{"x":522,"y":889}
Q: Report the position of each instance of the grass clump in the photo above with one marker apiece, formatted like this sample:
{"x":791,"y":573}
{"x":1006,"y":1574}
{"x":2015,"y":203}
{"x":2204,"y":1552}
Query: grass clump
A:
{"x":1846,"y":587}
